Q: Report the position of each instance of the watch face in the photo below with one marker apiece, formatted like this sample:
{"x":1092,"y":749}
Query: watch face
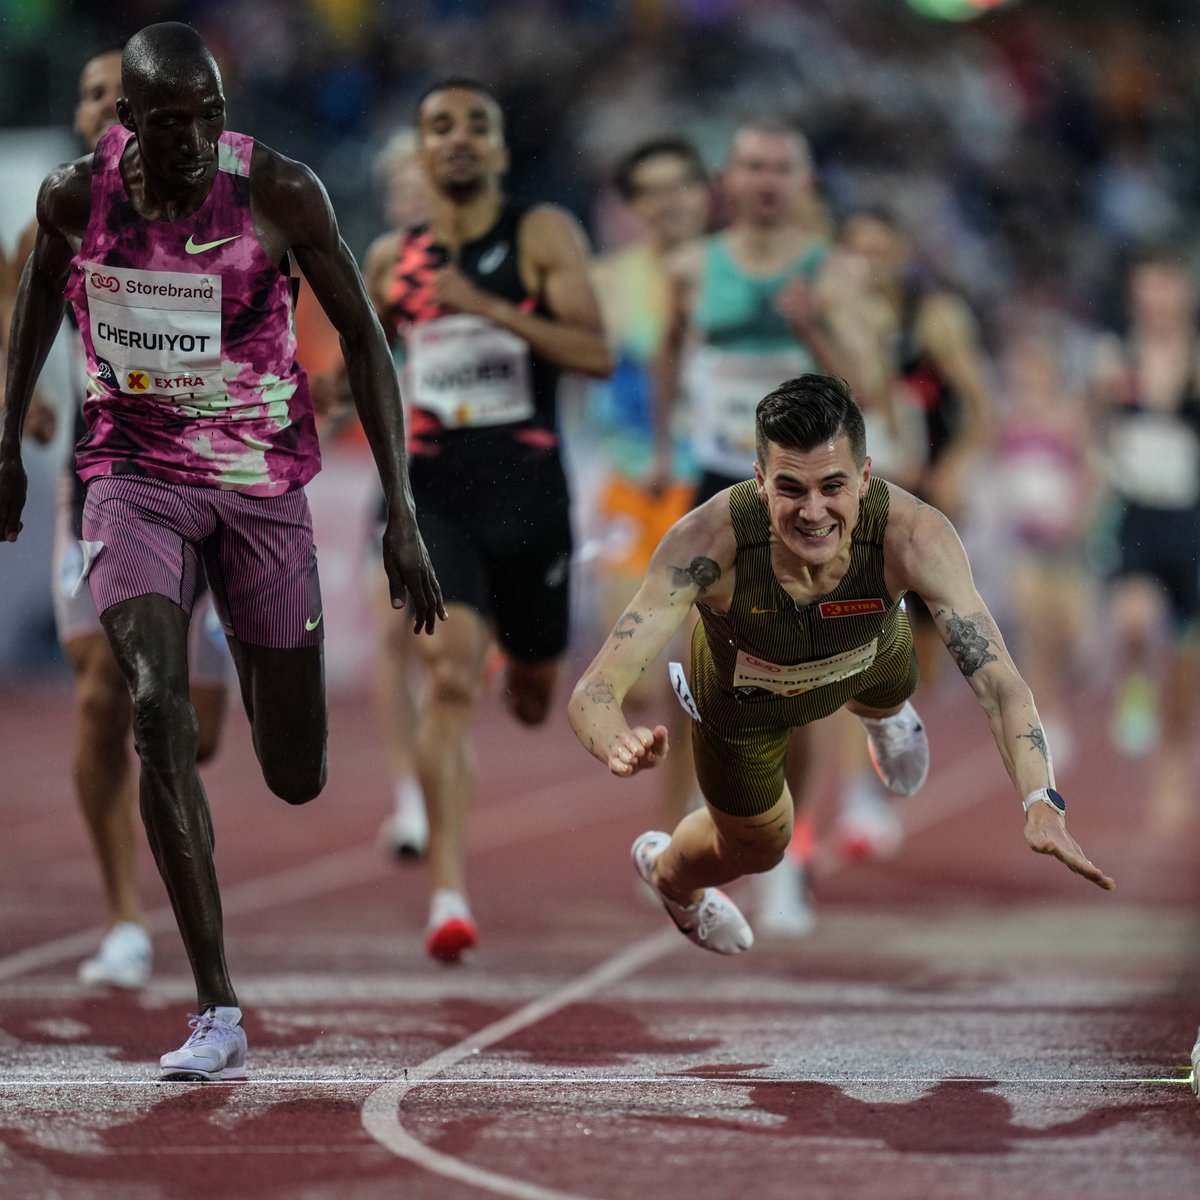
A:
{"x":1056,"y":800}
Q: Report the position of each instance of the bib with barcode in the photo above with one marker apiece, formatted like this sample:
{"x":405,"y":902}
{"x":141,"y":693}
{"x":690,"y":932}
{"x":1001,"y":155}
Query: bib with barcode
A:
{"x":794,"y":680}
{"x":155,"y":332}
{"x":468,"y":371}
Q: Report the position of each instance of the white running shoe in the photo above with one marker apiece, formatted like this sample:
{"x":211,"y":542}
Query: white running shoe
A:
{"x":216,"y":1050}
{"x":899,"y":749}
{"x":782,"y":904}
{"x":405,"y":834}
{"x":123,"y":959}
{"x":1196,"y":1068}
{"x":713,"y":922}
{"x":867,"y":827}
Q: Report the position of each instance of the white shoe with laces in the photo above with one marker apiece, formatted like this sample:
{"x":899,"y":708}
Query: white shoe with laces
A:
{"x":123,"y":959}
{"x":899,"y":749}
{"x":216,"y":1050}
{"x":713,"y":922}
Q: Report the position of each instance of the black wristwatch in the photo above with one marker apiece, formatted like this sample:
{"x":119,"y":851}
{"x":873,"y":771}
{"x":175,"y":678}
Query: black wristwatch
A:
{"x":1046,"y":795}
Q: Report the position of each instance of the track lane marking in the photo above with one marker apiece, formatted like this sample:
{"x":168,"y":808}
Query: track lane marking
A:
{"x":946,"y":797}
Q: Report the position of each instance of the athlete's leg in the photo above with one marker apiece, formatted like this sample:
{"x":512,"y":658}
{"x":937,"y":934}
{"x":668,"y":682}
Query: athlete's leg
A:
{"x":454,"y":658}
{"x":709,"y":848}
{"x":148,"y":635}
{"x":528,"y":687}
{"x":283,"y":691}
{"x":102,"y":770}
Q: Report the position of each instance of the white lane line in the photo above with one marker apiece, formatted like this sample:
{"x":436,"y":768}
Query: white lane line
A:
{"x":946,"y":797}
{"x":583,"y":1082}
{"x":494,"y":827}
{"x":381,"y":1112}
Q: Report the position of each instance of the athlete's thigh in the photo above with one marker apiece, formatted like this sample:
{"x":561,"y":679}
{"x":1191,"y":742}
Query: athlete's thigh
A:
{"x":261,"y":565}
{"x":528,"y":550}
{"x":283,"y":690}
{"x":740,"y":771}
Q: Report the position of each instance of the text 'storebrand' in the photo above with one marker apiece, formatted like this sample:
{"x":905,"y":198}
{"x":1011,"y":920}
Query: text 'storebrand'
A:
{"x":154,"y":331}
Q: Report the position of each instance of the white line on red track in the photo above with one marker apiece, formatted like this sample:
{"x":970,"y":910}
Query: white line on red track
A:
{"x":952,"y":791}
{"x":494,"y":827}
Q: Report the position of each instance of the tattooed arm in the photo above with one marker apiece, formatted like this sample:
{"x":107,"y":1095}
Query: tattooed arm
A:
{"x":923,"y":554}
{"x":693,"y":561}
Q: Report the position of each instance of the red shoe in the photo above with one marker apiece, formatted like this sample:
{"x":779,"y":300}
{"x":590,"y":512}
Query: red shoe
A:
{"x":447,"y":942}
{"x":451,"y":929}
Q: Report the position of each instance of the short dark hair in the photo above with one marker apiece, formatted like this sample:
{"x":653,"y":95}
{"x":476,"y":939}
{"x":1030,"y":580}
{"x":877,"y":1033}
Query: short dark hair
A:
{"x":169,"y":52}
{"x":671,"y":144}
{"x":804,"y":412}
{"x":463,"y":83}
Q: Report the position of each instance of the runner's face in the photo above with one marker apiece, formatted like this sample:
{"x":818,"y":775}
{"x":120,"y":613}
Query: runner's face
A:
{"x":461,"y":143}
{"x":813,"y":497}
{"x":766,"y":177}
{"x":878,"y":245}
{"x":99,"y":91}
{"x":178,"y":125}
{"x":670,"y":199}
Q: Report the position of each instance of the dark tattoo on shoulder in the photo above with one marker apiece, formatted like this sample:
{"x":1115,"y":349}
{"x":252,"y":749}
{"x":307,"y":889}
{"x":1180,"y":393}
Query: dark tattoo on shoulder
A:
{"x":1038,"y":740}
{"x":967,"y":644}
{"x":701,"y":574}
{"x":599,"y":691}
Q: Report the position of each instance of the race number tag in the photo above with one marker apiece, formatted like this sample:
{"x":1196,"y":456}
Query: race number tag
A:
{"x":795,"y":680}
{"x":156,"y":332}
{"x":467,"y":371}
{"x":726,"y":388}
{"x":1155,"y":459}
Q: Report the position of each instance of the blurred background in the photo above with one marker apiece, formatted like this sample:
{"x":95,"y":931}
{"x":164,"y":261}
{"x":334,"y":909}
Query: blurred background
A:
{"x":1030,"y":146}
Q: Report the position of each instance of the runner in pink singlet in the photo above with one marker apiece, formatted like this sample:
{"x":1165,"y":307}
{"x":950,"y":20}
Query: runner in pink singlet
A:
{"x":173,"y":243}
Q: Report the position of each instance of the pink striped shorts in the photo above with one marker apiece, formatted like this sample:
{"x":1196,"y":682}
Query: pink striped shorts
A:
{"x":143,"y":536}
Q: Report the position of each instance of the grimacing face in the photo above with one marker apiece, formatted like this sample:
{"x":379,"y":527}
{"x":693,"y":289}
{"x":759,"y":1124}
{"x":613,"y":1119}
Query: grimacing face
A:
{"x":461,"y":140}
{"x":99,"y":91}
{"x":813,"y":497}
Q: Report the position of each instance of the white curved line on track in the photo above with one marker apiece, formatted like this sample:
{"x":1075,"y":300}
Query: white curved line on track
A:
{"x":953,"y":791}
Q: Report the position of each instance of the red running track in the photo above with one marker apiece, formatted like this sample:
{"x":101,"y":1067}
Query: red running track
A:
{"x":967,"y":1020}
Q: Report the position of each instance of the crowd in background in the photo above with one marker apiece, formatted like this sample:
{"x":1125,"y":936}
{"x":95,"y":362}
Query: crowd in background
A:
{"x":1033,"y":148}
{"x":1031,"y":154}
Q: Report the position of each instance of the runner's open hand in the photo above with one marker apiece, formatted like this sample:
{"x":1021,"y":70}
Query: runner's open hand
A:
{"x":410,"y":573}
{"x":1046,"y":832}
{"x":635,"y":750}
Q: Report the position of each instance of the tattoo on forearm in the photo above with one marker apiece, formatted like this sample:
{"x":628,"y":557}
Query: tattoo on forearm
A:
{"x":967,"y":644}
{"x":625,"y":626}
{"x":701,"y":574}
{"x":599,"y":691}
{"x":1038,"y":739}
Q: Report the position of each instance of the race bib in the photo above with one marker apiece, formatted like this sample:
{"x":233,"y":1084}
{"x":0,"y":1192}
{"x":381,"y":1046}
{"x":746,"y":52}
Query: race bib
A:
{"x":726,"y":388}
{"x":795,"y":680}
{"x":467,"y":371}
{"x":156,"y":332}
{"x":1155,"y":460}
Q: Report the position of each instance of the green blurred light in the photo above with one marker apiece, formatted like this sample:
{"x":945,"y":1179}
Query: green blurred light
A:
{"x":954,"y":10}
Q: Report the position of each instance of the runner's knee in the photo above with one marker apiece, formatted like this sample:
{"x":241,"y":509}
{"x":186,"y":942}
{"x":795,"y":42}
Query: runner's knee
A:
{"x":297,"y":783}
{"x":164,"y":727}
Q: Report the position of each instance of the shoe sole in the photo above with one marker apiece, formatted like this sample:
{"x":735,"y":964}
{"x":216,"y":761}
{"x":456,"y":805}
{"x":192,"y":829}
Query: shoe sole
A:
{"x":229,"y":1075}
{"x":448,"y":942}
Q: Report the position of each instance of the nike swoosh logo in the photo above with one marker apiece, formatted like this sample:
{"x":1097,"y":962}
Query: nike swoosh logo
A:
{"x":760,"y":611}
{"x":200,"y":247}
{"x":309,"y":626}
